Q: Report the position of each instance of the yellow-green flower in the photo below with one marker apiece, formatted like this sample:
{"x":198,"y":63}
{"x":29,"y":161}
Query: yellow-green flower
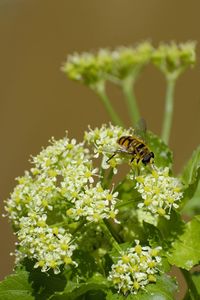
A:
{"x":160,"y":192}
{"x":135,"y":268}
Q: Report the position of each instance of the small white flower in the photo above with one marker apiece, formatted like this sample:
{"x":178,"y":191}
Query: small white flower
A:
{"x":94,"y":203}
{"x":135,"y":268}
{"x":59,"y":176}
{"x":159,"y":191}
{"x":60,"y":170}
{"x":104,"y":142}
{"x":51,"y":247}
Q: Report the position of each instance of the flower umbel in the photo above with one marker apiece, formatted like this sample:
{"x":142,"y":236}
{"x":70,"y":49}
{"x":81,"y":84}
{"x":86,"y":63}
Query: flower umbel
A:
{"x":59,"y":172}
{"x":61,"y":180}
{"x":95,"y":204}
{"x":128,"y":61}
{"x":159,"y":191}
{"x":51,"y":247}
{"x":93,"y":68}
{"x":173,"y":59}
{"x":88,"y":68}
{"x":135,"y":268}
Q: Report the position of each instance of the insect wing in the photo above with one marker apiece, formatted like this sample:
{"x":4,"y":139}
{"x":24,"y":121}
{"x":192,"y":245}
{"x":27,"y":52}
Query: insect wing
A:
{"x":141,"y":129}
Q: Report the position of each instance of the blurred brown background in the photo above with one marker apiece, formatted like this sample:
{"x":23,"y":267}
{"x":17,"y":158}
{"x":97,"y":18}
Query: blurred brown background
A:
{"x":38,"y":101}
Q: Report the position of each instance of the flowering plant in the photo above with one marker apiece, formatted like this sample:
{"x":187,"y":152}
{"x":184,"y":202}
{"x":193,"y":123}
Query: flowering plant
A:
{"x":85,"y":229}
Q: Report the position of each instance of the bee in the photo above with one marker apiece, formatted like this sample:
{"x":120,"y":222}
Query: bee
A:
{"x":136,"y":148}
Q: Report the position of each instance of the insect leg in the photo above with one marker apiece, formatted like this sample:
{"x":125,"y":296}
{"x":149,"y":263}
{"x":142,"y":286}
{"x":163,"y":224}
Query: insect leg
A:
{"x":134,"y":156}
{"x":111,"y":157}
{"x":137,"y":171}
{"x":132,"y":159}
{"x":117,"y":151}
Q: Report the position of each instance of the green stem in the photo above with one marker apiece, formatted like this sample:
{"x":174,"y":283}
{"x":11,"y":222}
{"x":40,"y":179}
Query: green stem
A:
{"x":169,"y":105}
{"x":111,"y":227}
{"x":108,"y":179}
{"x":127,"y":87}
{"x":100,"y":90}
{"x":191,"y":286}
{"x":57,"y":224}
{"x":125,"y":203}
{"x":102,"y":175}
{"x":80,"y":226}
{"x":110,"y":237}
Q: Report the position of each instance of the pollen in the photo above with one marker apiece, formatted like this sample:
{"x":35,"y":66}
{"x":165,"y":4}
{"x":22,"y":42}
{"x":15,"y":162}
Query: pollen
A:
{"x":136,"y":285}
{"x":161,"y":211}
{"x":151,"y":278}
{"x":138,"y":249}
{"x":67,"y":260}
{"x":125,"y":258}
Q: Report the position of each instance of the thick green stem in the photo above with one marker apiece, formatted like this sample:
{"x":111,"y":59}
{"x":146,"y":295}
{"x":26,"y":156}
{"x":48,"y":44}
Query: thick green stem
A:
{"x":100,"y":90}
{"x":128,"y":90}
{"x":169,"y":106}
{"x":110,"y":237}
{"x":192,"y":290}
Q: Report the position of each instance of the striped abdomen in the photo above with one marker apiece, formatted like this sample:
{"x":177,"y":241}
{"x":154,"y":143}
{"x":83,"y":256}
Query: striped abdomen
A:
{"x":136,"y":147}
{"x":131,"y":144}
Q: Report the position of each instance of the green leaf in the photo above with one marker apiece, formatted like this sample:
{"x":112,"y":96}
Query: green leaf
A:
{"x":191,"y":179}
{"x":16,"y":286}
{"x":163,"y":289}
{"x":127,"y":191}
{"x":86,"y":263}
{"x":44,"y":284}
{"x":170,"y":230}
{"x":130,"y":227}
{"x":153,"y":234}
{"x":185,"y":251}
{"x":114,"y":296}
{"x":73,"y":290}
{"x":196,"y":281}
{"x":163,"y":155}
{"x":190,"y":171}
{"x":192,"y":207}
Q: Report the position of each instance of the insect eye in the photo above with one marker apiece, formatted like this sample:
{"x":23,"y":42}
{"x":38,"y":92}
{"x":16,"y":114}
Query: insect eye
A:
{"x":147,"y":158}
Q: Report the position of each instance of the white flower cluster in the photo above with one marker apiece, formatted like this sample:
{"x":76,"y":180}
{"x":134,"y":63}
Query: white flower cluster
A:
{"x":95,"y":204}
{"x":104,"y":141}
{"x":50,"y":247}
{"x":68,"y":164}
{"x":61,"y":182}
{"x":60,"y":172}
{"x":159,"y":191}
{"x":135,"y":269}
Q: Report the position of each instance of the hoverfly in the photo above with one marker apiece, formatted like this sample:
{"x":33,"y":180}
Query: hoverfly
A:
{"x":135,"y":147}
